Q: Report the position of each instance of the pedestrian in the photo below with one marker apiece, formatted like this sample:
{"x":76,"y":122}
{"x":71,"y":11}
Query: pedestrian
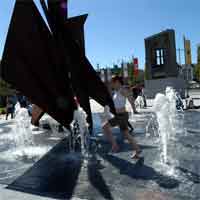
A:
{"x":10,"y":107}
{"x":144,"y":98}
{"x":136,"y":91}
{"x":121,"y":119}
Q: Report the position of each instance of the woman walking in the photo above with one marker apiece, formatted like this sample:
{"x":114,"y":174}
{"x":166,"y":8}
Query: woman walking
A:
{"x":120,"y":94}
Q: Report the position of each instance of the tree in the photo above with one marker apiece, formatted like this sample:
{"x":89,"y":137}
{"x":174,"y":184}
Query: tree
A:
{"x":116,"y":70}
{"x":197,"y":72}
{"x":5,"y":89}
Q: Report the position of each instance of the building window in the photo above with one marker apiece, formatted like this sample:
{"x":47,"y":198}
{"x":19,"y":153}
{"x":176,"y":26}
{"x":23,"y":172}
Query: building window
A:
{"x":159,"y":56}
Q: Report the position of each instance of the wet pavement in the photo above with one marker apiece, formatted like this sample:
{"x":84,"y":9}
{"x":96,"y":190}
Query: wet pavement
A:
{"x":63,"y":175}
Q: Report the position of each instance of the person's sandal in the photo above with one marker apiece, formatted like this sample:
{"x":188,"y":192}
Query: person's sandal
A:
{"x":136,"y":154}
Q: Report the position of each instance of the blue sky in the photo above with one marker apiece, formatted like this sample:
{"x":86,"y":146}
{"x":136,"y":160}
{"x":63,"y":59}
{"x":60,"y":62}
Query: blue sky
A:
{"x":116,"y":29}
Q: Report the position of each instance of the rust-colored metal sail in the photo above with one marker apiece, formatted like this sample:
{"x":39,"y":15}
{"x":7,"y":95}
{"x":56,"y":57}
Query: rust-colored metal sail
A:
{"x":57,"y":13}
{"x":85,"y":81}
{"x":70,"y":35}
{"x":37,"y":113}
{"x":77,"y":30}
{"x":51,"y":67}
{"x":82,"y":70}
{"x":76,"y":26}
{"x":32,"y":63}
{"x":58,"y":9}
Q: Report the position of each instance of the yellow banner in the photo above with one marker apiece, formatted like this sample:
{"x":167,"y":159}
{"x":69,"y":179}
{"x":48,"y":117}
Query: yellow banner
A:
{"x":188,"y":56}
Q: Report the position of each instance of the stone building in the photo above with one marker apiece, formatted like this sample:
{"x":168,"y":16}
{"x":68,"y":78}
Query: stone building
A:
{"x":187,"y":72}
{"x":162,"y":69}
{"x":161,"y":55}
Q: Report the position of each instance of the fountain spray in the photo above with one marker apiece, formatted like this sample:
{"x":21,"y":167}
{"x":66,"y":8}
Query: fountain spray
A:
{"x":23,"y":135}
{"x":80,"y":121}
{"x":169,"y":119}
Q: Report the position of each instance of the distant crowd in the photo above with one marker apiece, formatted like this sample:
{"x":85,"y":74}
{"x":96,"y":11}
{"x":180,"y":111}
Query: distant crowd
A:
{"x":12,"y":100}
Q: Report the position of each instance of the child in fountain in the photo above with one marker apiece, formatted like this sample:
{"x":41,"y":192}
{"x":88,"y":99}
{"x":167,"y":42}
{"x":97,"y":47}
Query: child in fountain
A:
{"x":121,"y":119}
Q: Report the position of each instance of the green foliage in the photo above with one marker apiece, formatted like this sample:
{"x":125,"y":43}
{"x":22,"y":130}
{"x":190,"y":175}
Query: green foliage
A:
{"x":197,"y":72}
{"x":2,"y":110}
{"x":130,"y":74}
{"x":5,"y":89}
{"x":116,"y":70}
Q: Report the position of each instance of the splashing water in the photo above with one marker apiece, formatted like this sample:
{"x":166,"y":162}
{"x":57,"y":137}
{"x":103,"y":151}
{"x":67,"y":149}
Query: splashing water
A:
{"x":139,"y":103}
{"x":17,"y":108}
{"x":152,"y":126}
{"x":80,"y":117}
{"x":20,"y":139}
{"x":170,"y":120}
{"x":22,"y":136}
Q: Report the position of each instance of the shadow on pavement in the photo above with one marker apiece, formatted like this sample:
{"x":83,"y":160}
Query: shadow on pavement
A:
{"x":141,"y":171}
{"x":96,"y":179}
{"x":55,"y":175}
{"x":194,"y":177}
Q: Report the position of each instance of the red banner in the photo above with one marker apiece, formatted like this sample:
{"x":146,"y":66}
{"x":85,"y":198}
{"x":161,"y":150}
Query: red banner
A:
{"x":135,"y":67}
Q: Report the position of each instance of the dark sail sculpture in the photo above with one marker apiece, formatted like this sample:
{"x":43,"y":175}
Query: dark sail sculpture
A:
{"x":50,"y":66}
{"x":30,"y":63}
{"x":71,"y":33}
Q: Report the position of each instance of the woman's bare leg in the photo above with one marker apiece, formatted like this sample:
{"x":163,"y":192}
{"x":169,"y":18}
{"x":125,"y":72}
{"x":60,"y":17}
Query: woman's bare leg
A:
{"x":109,"y":135}
{"x":131,"y":141}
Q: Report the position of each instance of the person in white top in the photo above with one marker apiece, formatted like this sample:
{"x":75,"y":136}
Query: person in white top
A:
{"x":121,"y":118}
